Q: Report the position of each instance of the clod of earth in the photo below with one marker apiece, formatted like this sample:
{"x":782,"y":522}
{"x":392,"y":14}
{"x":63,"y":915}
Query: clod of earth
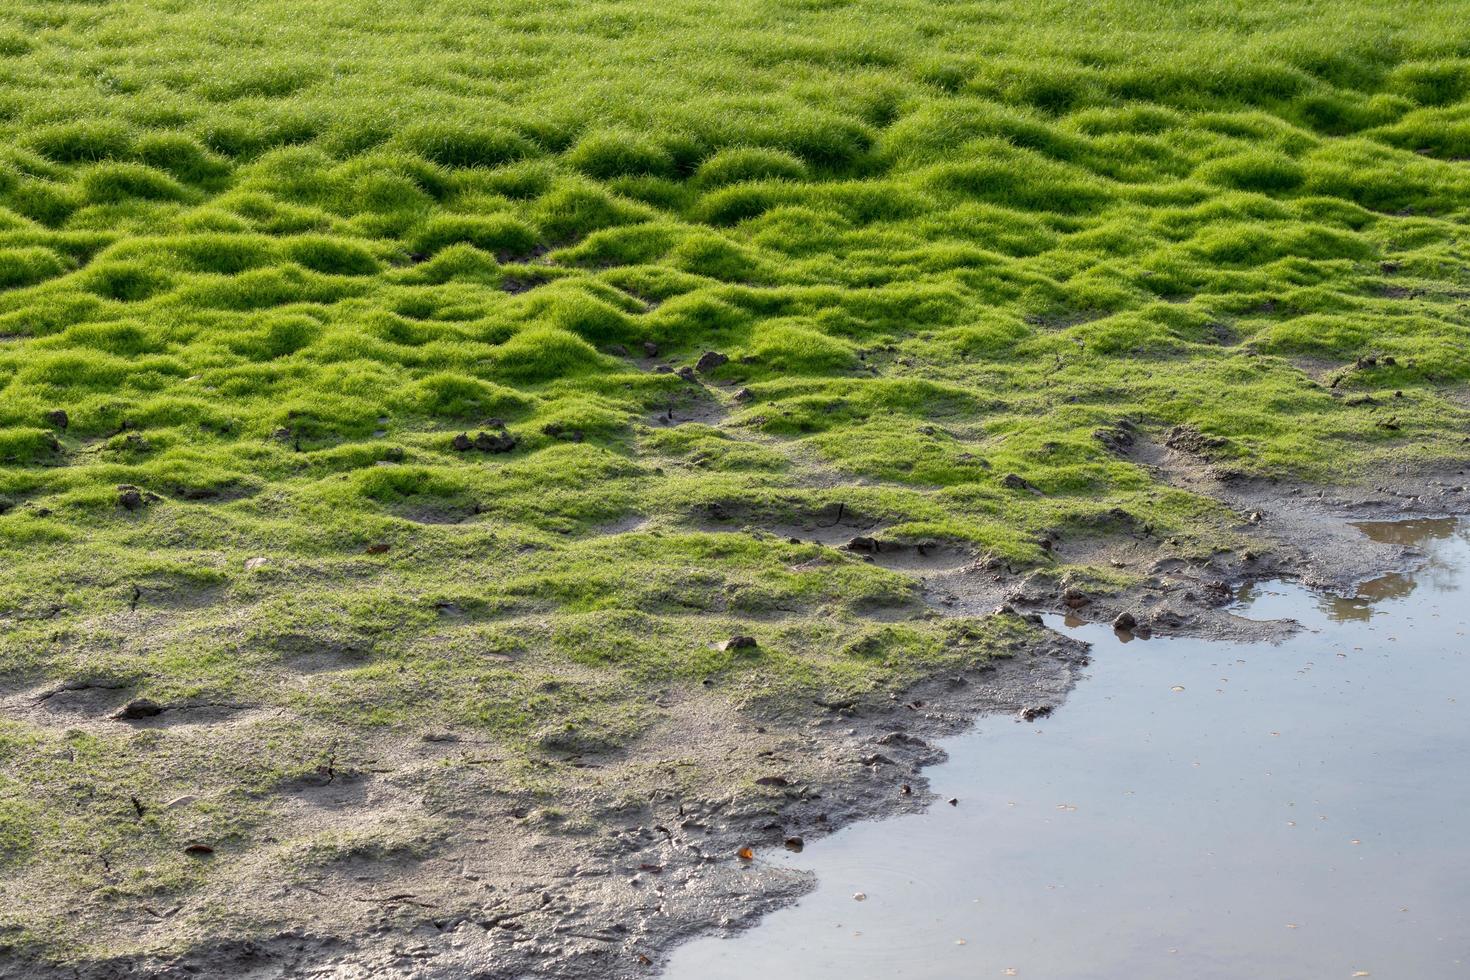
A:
{"x":1012,"y":481}
{"x":486,"y":442}
{"x":58,"y":418}
{"x":739,"y":642}
{"x":130,"y":497}
{"x":1033,"y":712}
{"x":710,"y":360}
{"x":1125,"y":622}
{"x":138,"y":708}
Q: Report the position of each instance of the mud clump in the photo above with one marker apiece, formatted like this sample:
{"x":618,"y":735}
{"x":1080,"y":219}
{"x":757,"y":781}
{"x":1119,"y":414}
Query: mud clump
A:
{"x":1188,"y":439}
{"x":710,"y":360}
{"x":58,"y":418}
{"x":1118,"y":438}
{"x":1012,"y":481}
{"x":499,"y":441}
{"x":739,"y":642}
{"x":137,"y":709}
{"x":132,"y":498}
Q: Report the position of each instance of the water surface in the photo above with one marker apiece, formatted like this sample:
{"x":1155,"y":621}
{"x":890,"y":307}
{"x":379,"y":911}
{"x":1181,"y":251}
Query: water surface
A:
{"x":1195,"y":809}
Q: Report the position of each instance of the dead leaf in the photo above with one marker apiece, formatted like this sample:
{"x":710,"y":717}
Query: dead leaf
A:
{"x":745,"y":854}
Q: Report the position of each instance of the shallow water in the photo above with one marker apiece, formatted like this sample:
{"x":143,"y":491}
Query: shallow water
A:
{"x":1195,"y":809}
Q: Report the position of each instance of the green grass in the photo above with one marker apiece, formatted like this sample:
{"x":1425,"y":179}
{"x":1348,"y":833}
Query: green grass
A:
{"x":271,"y":257}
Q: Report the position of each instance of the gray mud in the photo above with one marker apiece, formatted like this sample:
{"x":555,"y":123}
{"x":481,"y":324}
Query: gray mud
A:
{"x":1199,"y":807}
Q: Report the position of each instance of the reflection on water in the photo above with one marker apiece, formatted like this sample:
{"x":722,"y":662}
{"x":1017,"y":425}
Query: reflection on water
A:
{"x":1195,"y":810}
{"x":1414,"y":533}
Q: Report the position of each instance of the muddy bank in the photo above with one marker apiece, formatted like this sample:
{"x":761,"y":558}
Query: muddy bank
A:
{"x":604,"y":884}
{"x":1202,"y":808}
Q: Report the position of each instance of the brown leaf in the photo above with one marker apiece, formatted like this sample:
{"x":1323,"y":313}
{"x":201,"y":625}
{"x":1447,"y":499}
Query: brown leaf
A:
{"x":745,"y":854}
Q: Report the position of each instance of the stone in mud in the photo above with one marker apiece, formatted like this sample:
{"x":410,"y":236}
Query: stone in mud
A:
{"x":1125,"y":623}
{"x":58,"y":418}
{"x":1034,"y":711}
{"x":869,"y":545}
{"x":710,"y":360}
{"x":1012,"y":481}
{"x":739,"y":642}
{"x":650,"y":349}
{"x":138,"y":708}
{"x":1075,"y":599}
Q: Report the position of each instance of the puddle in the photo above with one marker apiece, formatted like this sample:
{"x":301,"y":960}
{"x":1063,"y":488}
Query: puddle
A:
{"x":1195,"y":809}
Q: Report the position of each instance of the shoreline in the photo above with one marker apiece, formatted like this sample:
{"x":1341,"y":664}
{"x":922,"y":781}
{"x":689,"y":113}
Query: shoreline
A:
{"x":618,"y":906}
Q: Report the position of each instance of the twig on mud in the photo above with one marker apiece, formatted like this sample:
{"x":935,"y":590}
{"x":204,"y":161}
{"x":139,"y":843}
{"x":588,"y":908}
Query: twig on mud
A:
{"x":405,"y":899}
